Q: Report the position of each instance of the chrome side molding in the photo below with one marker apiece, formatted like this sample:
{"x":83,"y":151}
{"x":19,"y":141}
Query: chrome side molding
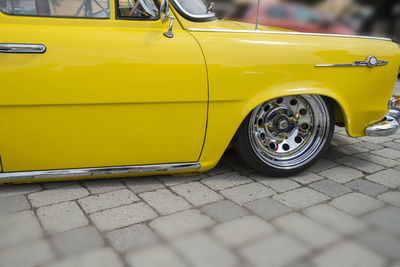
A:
{"x":370,"y":62}
{"x":286,"y":33}
{"x":65,"y":173}
{"x":22,"y":48}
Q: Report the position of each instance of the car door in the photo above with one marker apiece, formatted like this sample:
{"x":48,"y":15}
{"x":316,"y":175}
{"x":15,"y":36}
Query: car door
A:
{"x":107,"y":91}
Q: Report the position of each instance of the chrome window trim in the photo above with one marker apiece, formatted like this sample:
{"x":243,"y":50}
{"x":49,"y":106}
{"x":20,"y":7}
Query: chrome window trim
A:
{"x":65,"y":173}
{"x":206,"y":16}
{"x":287,"y":33}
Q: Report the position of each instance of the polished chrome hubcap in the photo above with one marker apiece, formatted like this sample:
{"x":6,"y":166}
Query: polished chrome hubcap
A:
{"x":287,"y":131}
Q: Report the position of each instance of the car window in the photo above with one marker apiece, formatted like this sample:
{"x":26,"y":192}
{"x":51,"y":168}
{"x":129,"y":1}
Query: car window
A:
{"x":306,"y":15}
{"x":277,"y":12}
{"x":57,"y":8}
{"x":137,"y":9}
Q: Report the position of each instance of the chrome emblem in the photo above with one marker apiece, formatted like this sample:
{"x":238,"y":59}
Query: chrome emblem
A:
{"x":370,"y":62}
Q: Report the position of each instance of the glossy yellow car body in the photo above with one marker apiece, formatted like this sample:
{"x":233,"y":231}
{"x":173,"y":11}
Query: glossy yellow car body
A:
{"x":111,"y":92}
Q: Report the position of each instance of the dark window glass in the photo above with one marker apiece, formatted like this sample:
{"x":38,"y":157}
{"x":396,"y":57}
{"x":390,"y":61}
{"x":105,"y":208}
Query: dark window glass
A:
{"x":57,"y":8}
{"x":138,"y":9}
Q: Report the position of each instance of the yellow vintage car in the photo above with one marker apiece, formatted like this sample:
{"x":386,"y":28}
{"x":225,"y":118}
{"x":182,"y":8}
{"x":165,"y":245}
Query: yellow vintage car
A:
{"x":100,"y":88}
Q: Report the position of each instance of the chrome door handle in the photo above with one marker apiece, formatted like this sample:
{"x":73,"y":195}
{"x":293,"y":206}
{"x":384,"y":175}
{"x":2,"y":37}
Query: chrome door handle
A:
{"x":22,"y":48}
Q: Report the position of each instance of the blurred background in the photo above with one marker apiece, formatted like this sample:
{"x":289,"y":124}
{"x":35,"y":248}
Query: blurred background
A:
{"x":366,"y":17}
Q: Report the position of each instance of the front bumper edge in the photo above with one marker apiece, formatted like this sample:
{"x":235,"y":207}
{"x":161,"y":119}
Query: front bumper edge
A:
{"x":387,"y":127}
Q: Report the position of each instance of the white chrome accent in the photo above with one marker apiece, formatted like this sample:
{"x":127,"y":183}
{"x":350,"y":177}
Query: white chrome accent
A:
{"x":37,"y":175}
{"x":387,"y":127}
{"x":258,"y":14}
{"x":288,"y":33}
{"x":22,"y":48}
{"x":370,"y":62}
{"x":392,"y":104}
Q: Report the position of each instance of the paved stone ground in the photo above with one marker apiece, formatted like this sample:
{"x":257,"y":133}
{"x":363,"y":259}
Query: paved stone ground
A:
{"x":344,"y":211}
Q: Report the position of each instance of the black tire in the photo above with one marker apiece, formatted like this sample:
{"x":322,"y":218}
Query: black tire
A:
{"x":263,"y":162}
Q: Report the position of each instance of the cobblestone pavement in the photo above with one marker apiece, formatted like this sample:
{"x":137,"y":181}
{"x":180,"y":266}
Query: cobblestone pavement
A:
{"x":344,"y":211}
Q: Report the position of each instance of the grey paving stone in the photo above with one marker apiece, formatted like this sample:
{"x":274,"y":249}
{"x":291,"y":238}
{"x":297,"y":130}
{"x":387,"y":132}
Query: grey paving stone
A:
{"x":369,"y":146}
{"x":382,"y":243}
{"x":307,"y":178}
{"x":201,"y":250}
{"x":342,"y":174}
{"x":360,"y":164}
{"x":19,"y":189}
{"x":393,"y":145}
{"x":132,"y":238}
{"x":375,"y":140}
{"x":350,"y":149}
{"x":356,"y":203}
{"x":177,"y":180}
{"x":159,"y":256}
{"x":103,"y":185}
{"x":322,"y":165}
{"x":122,"y":216}
{"x":181,"y":223}
{"x":335,"y":219}
{"x":330,"y":188}
{"x":333,"y":154}
{"x":367,"y":187}
{"x":248,"y":192}
{"x":378,"y":159}
{"x":387,"y":219}
{"x":57,"y":195}
{"x":18,"y":228}
{"x":279,"y":185}
{"x":224,"y":210}
{"x":197,"y":193}
{"x":76,"y":241}
{"x":219,"y":169}
{"x":61,"y":217}
{"x":268,"y":208}
{"x":143,"y":184}
{"x":101,"y":257}
{"x":392,"y":198}
{"x":388,"y":153}
{"x":13,"y":204}
{"x":348,"y":254}
{"x":28,"y":255}
{"x":107,"y":200}
{"x":301,"y":198}
{"x":226,"y":180}
{"x":165,"y":202}
{"x":270,"y":251}
{"x":51,"y":185}
{"x":389,"y":178}
{"x":307,"y":230}
{"x":242,"y":230}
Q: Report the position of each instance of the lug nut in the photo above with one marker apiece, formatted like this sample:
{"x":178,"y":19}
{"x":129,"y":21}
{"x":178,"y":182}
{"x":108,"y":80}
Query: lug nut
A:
{"x":270,"y":126}
{"x":293,"y":120}
{"x":283,"y":136}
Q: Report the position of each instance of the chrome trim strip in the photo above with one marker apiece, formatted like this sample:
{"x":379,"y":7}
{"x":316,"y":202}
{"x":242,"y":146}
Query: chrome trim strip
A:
{"x":210,"y":15}
{"x":65,"y":173}
{"x":288,"y":33}
{"x":22,"y":48}
{"x":365,"y":63}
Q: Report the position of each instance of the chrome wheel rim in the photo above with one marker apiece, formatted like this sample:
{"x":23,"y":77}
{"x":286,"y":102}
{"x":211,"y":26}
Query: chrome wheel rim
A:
{"x":288,"y":132}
